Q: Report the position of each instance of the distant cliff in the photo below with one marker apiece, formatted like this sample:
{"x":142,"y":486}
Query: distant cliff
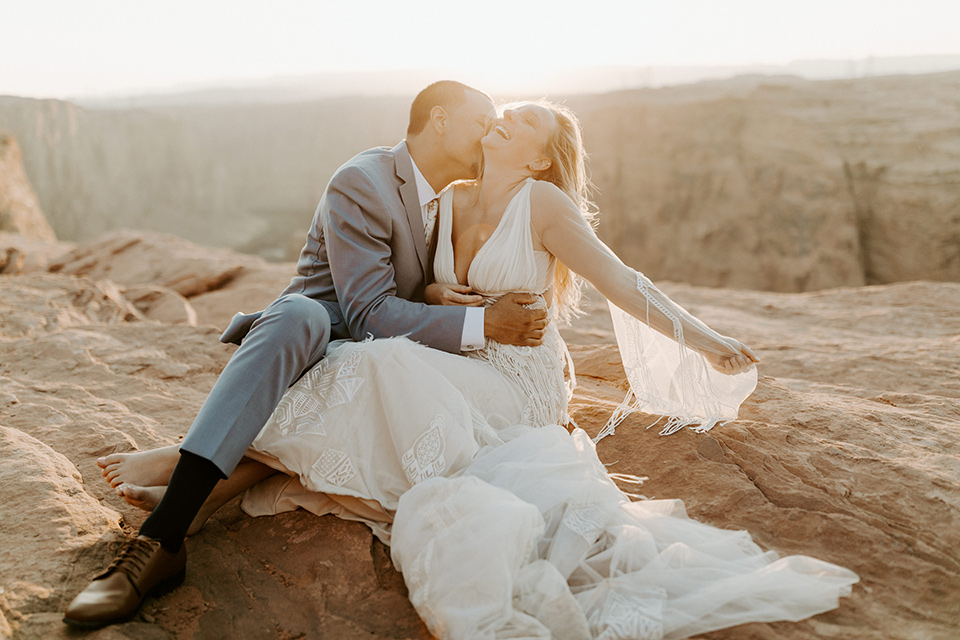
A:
{"x":780,"y":184}
{"x":246,"y":177}
{"x":766,"y":183}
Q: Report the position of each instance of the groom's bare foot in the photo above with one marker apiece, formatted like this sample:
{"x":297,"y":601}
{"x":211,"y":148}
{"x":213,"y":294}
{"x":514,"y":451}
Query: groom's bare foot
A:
{"x":144,"y":468}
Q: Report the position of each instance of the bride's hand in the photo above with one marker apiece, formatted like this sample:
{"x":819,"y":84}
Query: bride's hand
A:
{"x":732,"y":363}
{"x":451,"y":294}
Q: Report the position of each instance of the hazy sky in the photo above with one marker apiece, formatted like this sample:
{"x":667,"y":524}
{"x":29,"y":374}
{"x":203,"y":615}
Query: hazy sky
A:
{"x":60,"y":48}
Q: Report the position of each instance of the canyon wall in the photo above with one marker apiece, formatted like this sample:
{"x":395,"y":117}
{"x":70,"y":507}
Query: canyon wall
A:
{"x":768,"y":183}
{"x":243,"y":177}
{"x":780,"y":184}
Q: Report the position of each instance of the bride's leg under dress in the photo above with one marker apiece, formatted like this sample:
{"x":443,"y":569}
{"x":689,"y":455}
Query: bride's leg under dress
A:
{"x":375,"y":418}
{"x":246,"y":474}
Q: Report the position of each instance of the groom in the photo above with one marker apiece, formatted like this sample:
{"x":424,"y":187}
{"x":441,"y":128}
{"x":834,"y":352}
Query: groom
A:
{"x":362,"y":272}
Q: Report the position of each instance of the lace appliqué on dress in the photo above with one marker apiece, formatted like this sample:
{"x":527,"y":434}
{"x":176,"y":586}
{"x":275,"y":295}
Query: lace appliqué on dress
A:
{"x":333,"y":382}
{"x":425,"y":458}
{"x":585,"y":520}
{"x":622,"y":618}
{"x":336,"y":383}
{"x":297,"y":410}
{"x":335,"y":467}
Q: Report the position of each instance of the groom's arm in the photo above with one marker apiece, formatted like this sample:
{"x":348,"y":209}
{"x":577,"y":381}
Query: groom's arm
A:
{"x":358,"y":227}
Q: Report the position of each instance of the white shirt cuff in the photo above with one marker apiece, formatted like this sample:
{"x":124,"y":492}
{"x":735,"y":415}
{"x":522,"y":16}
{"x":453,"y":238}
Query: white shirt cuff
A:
{"x":472,"y":338}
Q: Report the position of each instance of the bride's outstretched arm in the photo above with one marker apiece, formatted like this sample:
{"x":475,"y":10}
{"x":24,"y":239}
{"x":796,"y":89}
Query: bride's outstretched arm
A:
{"x":565,"y":233}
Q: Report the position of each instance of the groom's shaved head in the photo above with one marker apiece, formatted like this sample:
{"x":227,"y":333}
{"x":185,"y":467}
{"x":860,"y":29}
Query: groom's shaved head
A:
{"x":448,"y":94}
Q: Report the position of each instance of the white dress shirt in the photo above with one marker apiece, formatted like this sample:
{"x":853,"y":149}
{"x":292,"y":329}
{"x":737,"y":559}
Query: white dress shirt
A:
{"x":472,"y":337}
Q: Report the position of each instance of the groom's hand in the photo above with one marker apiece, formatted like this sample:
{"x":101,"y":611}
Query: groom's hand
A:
{"x":509,"y":322}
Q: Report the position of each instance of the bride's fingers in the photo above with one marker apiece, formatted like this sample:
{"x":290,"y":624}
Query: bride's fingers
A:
{"x":732,"y":365}
{"x":460,"y":299}
{"x":460,"y":288}
{"x":740,"y":363}
{"x":722,"y":365}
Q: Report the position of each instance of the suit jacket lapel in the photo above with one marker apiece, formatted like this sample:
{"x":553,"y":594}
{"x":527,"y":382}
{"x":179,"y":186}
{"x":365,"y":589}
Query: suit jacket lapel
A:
{"x":411,"y":201}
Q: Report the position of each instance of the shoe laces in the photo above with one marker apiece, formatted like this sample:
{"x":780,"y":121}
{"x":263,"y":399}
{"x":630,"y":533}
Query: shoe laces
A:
{"x":133,"y":557}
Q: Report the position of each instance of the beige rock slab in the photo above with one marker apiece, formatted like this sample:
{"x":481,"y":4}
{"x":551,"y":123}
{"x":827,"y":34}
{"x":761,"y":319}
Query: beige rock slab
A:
{"x":847,"y":452}
{"x":51,"y":530}
{"x":130,"y":257}
{"x":161,"y":304}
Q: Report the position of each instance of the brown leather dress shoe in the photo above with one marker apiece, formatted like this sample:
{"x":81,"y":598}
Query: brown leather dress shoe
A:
{"x":142,"y":567}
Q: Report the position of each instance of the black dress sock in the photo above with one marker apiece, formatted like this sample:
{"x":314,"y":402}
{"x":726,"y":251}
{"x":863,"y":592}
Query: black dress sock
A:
{"x":192,"y":481}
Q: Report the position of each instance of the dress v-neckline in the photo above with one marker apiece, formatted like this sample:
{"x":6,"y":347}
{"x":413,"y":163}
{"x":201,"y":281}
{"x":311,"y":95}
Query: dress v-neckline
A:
{"x":496,"y":231}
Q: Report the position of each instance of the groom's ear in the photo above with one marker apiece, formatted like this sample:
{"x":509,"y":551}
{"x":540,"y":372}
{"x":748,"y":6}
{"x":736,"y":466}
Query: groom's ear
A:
{"x":540,"y":164}
{"x":438,"y":119}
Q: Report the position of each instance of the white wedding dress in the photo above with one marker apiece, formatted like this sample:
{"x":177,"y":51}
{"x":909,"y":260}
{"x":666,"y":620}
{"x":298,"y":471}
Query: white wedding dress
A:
{"x":503,"y":523}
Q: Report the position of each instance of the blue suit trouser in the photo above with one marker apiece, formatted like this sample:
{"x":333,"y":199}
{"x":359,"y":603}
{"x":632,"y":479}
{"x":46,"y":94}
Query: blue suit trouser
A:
{"x":279,"y":345}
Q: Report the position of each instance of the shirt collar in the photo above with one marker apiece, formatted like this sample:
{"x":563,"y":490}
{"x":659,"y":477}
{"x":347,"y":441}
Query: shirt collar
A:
{"x":424,"y":191}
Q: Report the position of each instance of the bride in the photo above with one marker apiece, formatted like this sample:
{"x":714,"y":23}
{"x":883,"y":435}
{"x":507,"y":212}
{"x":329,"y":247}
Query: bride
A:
{"x":504,"y":524}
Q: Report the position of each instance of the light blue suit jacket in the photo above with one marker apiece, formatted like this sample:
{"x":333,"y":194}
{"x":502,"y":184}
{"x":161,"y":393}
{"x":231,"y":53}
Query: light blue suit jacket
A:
{"x":366,"y":251}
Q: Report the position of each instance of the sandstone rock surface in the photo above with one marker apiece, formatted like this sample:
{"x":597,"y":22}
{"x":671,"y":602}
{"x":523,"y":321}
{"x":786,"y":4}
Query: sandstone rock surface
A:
{"x":847,"y":452}
{"x":172,"y":279}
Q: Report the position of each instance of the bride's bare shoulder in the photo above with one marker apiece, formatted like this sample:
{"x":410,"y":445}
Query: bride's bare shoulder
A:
{"x":548,"y":200}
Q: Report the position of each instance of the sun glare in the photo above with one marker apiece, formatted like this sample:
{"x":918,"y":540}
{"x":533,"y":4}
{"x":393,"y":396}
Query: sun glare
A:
{"x":61,"y":47}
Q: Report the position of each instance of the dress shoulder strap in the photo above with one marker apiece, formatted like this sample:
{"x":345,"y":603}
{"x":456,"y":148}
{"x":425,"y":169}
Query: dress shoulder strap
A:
{"x":443,"y":268}
{"x":516,"y":218}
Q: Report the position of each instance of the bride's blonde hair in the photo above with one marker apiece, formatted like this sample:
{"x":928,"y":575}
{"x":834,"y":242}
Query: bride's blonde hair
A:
{"x":568,"y":172}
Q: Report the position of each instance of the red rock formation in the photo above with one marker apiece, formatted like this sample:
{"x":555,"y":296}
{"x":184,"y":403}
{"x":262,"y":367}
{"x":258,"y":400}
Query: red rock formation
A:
{"x":206,"y":284}
{"x":19,"y":210}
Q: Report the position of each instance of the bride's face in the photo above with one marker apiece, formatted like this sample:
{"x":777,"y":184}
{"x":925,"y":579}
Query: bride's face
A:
{"x":521,"y":136}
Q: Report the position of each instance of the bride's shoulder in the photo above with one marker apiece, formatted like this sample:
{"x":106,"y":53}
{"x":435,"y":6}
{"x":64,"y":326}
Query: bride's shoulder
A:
{"x":548,"y":193}
{"x":547,"y":199}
